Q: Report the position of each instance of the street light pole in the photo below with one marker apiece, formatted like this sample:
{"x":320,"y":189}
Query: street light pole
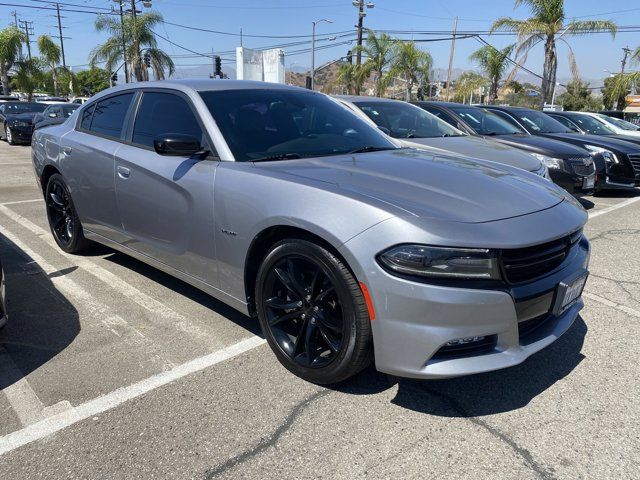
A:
{"x":313,"y":49}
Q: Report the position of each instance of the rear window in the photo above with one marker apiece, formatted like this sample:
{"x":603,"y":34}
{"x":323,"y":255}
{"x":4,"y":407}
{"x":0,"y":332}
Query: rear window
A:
{"x":109,"y":115}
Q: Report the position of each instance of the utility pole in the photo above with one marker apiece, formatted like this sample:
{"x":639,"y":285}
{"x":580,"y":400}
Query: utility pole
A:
{"x":28,"y":30}
{"x":124,"y":44}
{"x":626,"y":51}
{"x":241,"y":37}
{"x":14,"y":14}
{"x":64,"y":61}
{"x":360,"y":4}
{"x":453,"y":49}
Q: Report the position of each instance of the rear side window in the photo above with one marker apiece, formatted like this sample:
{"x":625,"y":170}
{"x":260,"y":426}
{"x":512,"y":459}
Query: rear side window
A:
{"x":85,"y":123}
{"x":161,"y":113}
{"x":109,"y":115}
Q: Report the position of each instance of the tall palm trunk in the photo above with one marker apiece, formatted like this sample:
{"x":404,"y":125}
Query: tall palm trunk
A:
{"x":549,"y":70}
{"x":4,"y":76}
{"x":54,"y":73}
{"x":493,"y":90}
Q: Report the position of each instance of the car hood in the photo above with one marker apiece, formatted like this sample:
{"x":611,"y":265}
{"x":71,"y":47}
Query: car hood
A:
{"x":23,"y":117}
{"x":414,"y":182}
{"x":482,"y":149}
{"x":542,"y":145}
{"x":596,"y":140}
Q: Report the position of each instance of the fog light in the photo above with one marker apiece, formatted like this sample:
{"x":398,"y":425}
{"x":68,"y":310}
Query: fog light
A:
{"x":463,"y":341}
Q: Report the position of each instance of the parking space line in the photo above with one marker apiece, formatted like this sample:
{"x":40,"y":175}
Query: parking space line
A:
{"x":24,"y":401}
{"x":618,"y":306}
{"x":111,"y":400}
{"x":147,"y":302}
{"x":15,"y":163}
{"x":614,"y":207}
{"x":33,"y":200}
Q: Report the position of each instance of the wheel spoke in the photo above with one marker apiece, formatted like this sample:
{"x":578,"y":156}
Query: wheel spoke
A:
{"x":329,"y":321}
{"x":294,"y":276}
{"x":309,"y":342}
{"x":315,"y":282}
{"x":283,"y":318}
{"x":285,"y":279}
{"x":281,"y":304}
{"x":322,"y":295}
{"x":324,"y":333}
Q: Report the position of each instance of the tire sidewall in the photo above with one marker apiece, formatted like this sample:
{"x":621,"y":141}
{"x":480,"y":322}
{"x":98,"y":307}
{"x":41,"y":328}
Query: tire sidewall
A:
{"x":335,"y":371}
{"x":77,"y":239}
{"x":8,"y":135}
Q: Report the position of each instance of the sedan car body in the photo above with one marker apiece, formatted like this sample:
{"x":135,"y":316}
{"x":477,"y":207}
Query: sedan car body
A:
{"x":55,"y":114}
{"x":415,"y":128}
{"x":617,"y":161}
{"x":569,"y":166}
{"x":17,"y":120}
{"x":621,"y":127}
{"x":282,"y":203}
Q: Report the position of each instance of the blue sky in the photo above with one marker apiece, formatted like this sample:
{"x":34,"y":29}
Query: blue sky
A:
{"x":595,"y":53}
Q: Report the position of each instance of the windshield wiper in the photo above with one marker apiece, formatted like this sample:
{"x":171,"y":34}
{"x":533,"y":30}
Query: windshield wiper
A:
{"x":369,"y":149}
{"x":280,"y":156}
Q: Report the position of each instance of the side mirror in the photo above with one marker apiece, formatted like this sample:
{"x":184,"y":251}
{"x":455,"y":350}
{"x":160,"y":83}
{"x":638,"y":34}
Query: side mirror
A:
{"x":176,"y":144}
{"x":384,"y":130}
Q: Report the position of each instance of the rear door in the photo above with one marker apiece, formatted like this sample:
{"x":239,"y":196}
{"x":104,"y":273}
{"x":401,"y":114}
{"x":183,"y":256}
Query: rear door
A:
{"x":87,"y":162}
{"x":166,"y":202}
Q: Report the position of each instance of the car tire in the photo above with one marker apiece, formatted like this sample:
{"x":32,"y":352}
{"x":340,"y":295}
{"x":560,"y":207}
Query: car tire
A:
{"x":312,"y":312}
{"x":8,"y":135}
{"x":63,"y":219}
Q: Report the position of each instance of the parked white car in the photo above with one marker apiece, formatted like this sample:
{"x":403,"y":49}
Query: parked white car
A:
{"x":621,"y":127}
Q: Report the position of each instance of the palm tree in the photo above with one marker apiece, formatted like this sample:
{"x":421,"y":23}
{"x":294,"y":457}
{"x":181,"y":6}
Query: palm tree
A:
{"x":139,"y":41}
{"x":351,"y":77}
{"x":378,"y":50}
{"x":547,"y":24}
{"x":28,"y":75}
{"x":469,"y":83}
{"x":10,"y":43}
{"x":50,"y":54}
{"x":493,"y":63}
{"x":411,"y":64}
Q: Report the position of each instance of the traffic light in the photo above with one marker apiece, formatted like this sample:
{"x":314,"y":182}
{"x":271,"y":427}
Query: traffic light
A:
{"x":114,"y":77}
{"x":147,"y":59}
{"x":218,"y":64}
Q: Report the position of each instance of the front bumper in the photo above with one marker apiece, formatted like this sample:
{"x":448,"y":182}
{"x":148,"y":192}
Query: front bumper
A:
{"x":415,"y":320}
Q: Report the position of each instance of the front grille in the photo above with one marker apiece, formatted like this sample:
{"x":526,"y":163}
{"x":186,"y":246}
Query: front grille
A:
{"x":525,"y":264}
{"x":583,"y":166}
{"x":634,"y":158}
{"x":484,"y":345}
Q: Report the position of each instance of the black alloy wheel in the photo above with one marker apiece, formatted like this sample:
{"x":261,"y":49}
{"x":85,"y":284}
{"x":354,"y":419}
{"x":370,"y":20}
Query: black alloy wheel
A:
{"x":312,"y":312}
{"x":63,"y":219}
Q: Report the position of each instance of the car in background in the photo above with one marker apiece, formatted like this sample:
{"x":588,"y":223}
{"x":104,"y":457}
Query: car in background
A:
{"x":623,"y":127}
{"x":9,"y":98}
{"x":54,"y":114}
{"x":598,"y":124}
{"x":414,"y":127}
{"x":3,"y":299}
{"x":16,"y":119}
{"x":79,"y":100}
{"x":569,"y":166}
{"x":617,"y":161}
{"x":49,"y":100}
{"x":280,"y":202}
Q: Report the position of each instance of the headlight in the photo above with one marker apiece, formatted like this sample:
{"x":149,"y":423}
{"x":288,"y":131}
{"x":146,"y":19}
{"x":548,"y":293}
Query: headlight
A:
{"x":441,"y":262}
{"x":20,"y":123}
{"x":608,"y":155}
{"x":550,"y":162}
{"x":543,"y":172}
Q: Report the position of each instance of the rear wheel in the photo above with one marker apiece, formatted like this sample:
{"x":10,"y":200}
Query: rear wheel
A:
{"x":63,"y":218}
{"x":312,"y":312}
{"x":8,"y":134}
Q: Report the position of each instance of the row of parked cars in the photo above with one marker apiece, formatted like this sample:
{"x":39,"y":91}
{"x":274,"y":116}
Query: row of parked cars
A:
{"x":19,"y":119}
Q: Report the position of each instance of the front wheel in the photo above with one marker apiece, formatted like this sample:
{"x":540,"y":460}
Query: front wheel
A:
{"x":63,"y":218}
{"x":312,"y":312}
{"x":8,"y":134}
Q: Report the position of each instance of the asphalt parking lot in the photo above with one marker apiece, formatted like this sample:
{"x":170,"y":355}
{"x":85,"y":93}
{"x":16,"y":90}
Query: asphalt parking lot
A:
{"x":112,"y":369}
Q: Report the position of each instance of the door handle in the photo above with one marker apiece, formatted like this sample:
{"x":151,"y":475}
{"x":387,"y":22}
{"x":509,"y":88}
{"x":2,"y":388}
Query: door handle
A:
{"x":66,"y":150}
{"x":123,"y":172}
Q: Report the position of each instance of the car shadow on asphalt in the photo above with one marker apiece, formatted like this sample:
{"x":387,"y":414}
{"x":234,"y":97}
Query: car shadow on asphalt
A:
{"x":42,"y":322}
{"x":483,"y":394}
{"x":185,"y":290}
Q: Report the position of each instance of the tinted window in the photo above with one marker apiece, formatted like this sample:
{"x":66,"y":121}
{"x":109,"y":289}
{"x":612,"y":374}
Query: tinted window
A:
{"x":162,"y":113}
{"x":484,"y":122}
{"x":67,"y":110}
{"x":85,"y":123}
{"x":442,"y":115}
{"x":538,"y":122}
{"x":108,"y":118}
{"x":592,"y":125}
{"x":566,"y":122}
{"x":276,"y":122}
{"x":23,"y":107}
{"x":407,"y":121}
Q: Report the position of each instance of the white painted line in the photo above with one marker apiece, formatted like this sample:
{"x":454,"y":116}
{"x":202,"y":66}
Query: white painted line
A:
{"x":618,"y":306}
{"x":615,"y":207}
{"x":33,"y":200}
{"x":96,"y":309}
{"x":24,"y":401}
{"x":16,"y":163}
{"x":111,"y":400}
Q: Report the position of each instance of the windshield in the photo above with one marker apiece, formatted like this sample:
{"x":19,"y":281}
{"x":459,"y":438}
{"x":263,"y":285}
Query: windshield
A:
{"x":67,"y":110}
{"x":623,"y":124}
{"x":404,"y":120}
{"x":281,"y":124}
{"x":539,"y":122}
{"x":591,"y":125}
{"x":484,"y":122}
{"x":23,"y":107}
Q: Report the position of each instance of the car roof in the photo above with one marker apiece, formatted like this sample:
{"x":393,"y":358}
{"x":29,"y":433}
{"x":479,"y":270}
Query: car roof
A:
{"x":437,"y":103}
{"x":364,"y":98}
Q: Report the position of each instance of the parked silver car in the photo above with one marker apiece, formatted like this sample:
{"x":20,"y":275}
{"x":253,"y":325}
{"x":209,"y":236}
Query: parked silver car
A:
{"x":414,"y":127}
{"x":282,"y":203}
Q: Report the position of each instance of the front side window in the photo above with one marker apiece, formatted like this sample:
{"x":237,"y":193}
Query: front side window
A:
{"x":484,"y":122}
{"x":162,"y":113}
{"x":110,"y":114}
{"x":619,"y":123}
{"x":592,"y":125}
{"x":567,"y":123}
{"x":539,"y":122}
{"x":260,"y":124}
{"x":407,"y":121}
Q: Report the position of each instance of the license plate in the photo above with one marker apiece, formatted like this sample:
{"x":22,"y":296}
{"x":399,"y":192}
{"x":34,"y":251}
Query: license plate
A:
{"x":588,"y":182}
{"x":569,"y":292}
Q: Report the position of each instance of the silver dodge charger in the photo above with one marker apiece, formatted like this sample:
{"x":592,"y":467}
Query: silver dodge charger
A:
{"x":285,"y":205}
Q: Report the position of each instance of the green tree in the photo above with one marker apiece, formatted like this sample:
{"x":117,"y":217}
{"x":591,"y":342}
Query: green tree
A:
{"x":29,"y":76}
{"x":379,"y":53}
{"x":10,"y":42}
{"x":548,"y":25}
{"x":579,"y":97}
{"x":139,"y":41}
{"x":50,"y":54}
{"x":90,"y":82}
{"x":493,"y":63}
{"x":411,"y":64}
{"x":467,"y":84}
{"x":618,"y":87}
{"x":351,"y":77}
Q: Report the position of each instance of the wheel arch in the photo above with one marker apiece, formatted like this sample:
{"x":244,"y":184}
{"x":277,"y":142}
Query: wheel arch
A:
{"x":47,"y":172}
